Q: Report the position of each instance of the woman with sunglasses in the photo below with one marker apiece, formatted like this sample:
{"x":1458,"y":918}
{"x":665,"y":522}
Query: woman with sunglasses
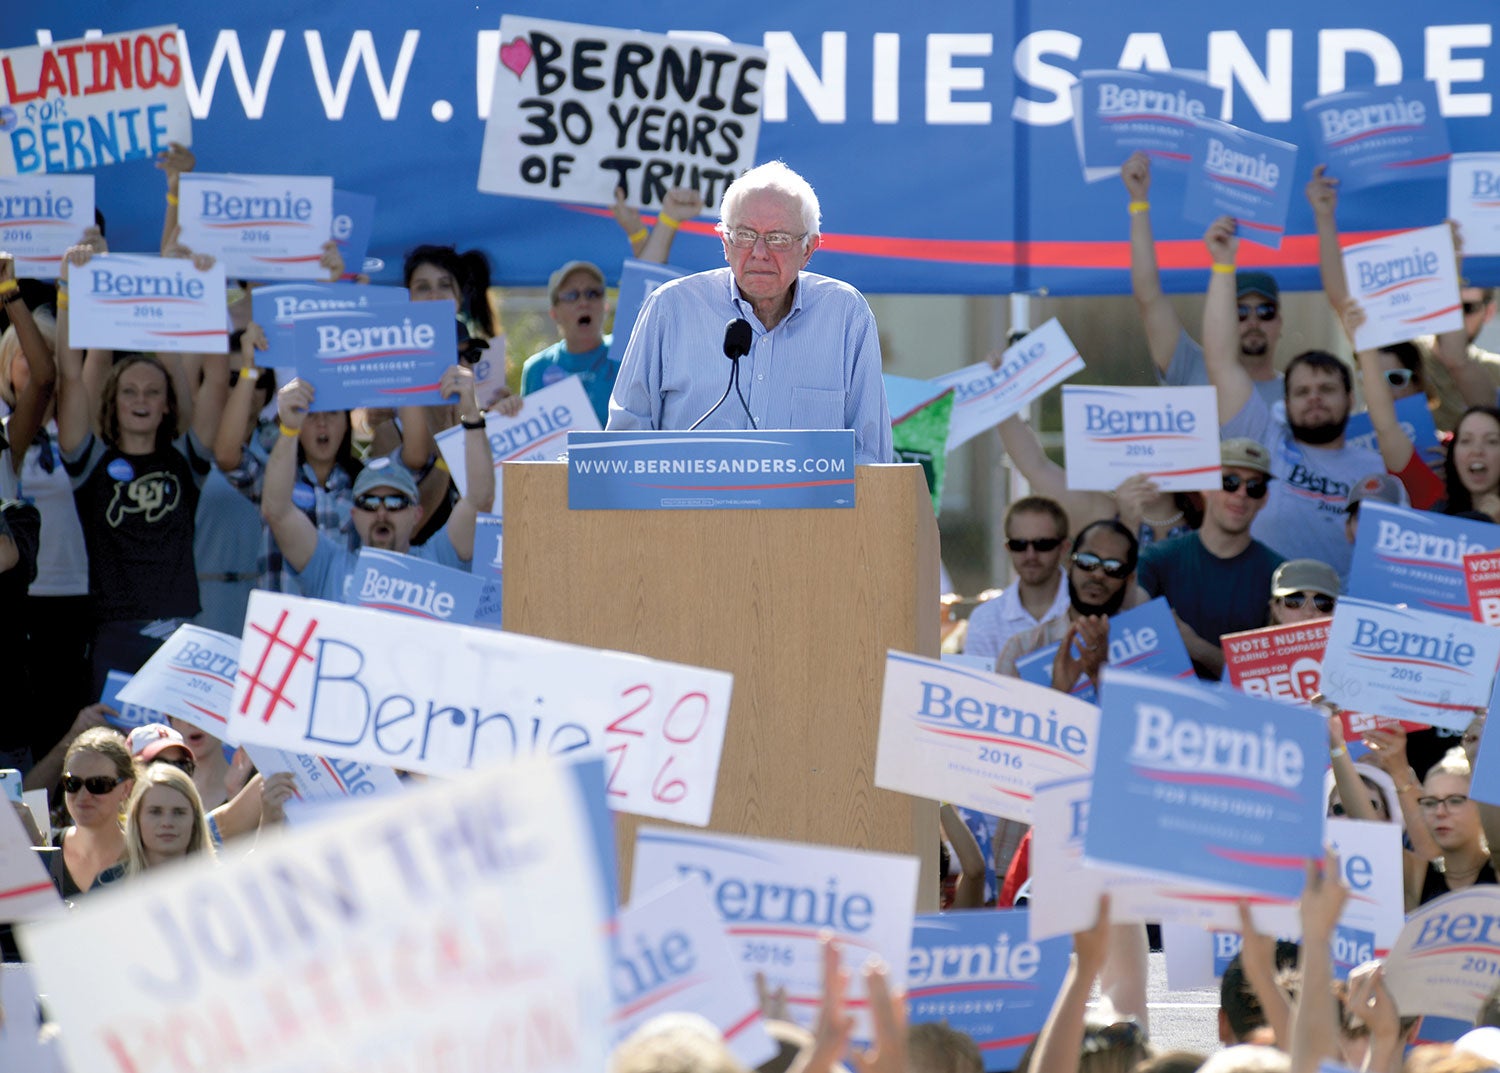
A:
{"x":1303,"y":590}
{"x":98,"y":775}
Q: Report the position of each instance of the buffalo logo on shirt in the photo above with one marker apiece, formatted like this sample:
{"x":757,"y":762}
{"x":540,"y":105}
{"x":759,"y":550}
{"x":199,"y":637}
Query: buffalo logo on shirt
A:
{"x":151,"y":495}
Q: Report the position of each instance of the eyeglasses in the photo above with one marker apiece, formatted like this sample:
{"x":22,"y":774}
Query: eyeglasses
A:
{"x":593,"y":294}
{"x":1321,"y":600}
{"x":1399,"y":377}
{"x":1044,"y":544}
{"x":1118,"y":1036}
{"x":745,"y":238}
{"x":1263,"y":311}
{"x":393,"y":502}
{"x":1453,"y":802}
{"x":98,"y":785}
{"x":1255,"y":487}
{"x":1088,"y":562}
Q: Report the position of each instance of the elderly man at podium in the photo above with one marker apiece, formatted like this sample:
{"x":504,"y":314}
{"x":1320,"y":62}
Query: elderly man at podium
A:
{"x":803,"y":349}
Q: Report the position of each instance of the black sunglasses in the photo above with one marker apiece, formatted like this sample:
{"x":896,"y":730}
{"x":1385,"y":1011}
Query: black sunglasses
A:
{"x":392,"y":502}
{"x":1262,"y":311}
{"x":1044,"y":544}
{"x":98,"y":785}
{"x":1089,"y":562}
{"x":1470,"y":308}
{"x":1321,"y":600}
{"x":1255,"y":487}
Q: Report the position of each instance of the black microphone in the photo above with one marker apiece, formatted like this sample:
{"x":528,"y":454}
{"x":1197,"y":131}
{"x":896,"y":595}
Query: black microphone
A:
{"x":738,"y":337}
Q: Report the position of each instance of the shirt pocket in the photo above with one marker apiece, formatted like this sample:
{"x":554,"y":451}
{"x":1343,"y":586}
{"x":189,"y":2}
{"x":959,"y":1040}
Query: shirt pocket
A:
{"x":815,"y":408}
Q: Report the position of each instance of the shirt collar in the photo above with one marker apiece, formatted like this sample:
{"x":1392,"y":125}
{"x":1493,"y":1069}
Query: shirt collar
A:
{"x":745,"y":309}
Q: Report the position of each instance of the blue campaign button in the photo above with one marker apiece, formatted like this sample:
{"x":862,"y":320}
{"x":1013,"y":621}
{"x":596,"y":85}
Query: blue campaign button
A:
{"x":303,"y":496}
{"x":121,"y":470}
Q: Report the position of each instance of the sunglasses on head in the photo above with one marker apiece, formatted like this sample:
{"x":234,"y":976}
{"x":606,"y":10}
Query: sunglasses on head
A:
{"x":1399,"y":377}
{"x":593,"y":294}
{"x":184,"y":764}
{"x":392,"y":502}
{"x":98,"y":785}
{"x":1044,"y":544}
{"x":1088,"y":562}
{"x":1321,"y":600}
{"x":1262,"y":311}
{"x":1255,"y":487}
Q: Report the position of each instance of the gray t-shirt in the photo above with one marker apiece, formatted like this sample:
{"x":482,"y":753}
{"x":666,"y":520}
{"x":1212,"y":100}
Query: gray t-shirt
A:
{"x":1304,"y":513}
{"x":1187,"y":369}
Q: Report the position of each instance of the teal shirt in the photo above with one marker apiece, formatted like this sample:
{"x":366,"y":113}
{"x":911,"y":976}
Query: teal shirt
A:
{"x":557,"y":362}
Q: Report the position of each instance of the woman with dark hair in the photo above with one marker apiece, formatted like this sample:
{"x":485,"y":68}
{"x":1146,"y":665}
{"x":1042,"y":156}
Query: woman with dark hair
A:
{"x":136,"y":485}
{"x":435,"y":272}
{"x":1471,"y":472}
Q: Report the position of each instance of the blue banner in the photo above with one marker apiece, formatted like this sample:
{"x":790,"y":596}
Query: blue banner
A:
{"x":1204,"y":783}
{"x":1404,"y":556}
{"x":977,"y":971}
{"x":1144,"y":639}
{"x":939,"y":137}
{"x":383,"y":355}
{"x":721,"y":470}
{"x":1380,"y":134}
{"x":1244,"y":175}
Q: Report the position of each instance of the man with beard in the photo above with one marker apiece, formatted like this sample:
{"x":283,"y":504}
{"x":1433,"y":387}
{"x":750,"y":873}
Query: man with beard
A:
{"x":1179,"y":361}
{"x":386,"y":509}
{"x":1303,"y":517}
{"x":1036,"y":532}
{"x":1216,"y":578}
{"x":1100,"y":570}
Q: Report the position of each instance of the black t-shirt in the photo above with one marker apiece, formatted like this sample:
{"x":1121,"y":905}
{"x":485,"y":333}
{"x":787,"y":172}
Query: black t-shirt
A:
{"x":137,"y":516}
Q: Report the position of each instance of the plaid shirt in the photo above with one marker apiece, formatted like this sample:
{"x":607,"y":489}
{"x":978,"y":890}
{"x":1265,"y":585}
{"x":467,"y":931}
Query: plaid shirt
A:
{"x":328,"y":506}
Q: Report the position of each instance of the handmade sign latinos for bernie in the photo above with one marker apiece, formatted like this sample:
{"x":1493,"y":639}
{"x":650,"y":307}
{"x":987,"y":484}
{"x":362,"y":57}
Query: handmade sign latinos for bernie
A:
{"x":976,"y":739}
{"x":977,"y":970}
{"x":129,"y":301}
{"x":1407,"y":284}
{"x":82,"y":104}
{"x":354,"y":684}
{"x":259,"y":226}
{"x":1170,"y":434}
{"x":420,"y":926}
{"x":985,"y":396}
{"x":40,"y":217}
{"x":578,"y":111}
{"x":1203,"y":783}
{"x":777,"y":899}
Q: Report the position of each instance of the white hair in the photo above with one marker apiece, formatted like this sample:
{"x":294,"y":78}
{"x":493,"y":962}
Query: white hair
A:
{"x":775,"y":176}
{"x":1247,"y":1058}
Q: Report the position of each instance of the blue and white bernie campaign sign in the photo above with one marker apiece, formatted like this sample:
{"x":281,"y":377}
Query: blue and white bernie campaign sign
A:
{"x":1145,"y":638}
{"x":1379,"y":134}
{"x":1415,"y":557}
{"x":1170,"y":434}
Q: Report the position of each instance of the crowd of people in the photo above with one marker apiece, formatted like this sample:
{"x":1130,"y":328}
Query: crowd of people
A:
{"x":145,"y":491}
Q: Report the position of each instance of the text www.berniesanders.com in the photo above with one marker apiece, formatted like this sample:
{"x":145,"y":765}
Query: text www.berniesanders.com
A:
{"x":666,"y":466}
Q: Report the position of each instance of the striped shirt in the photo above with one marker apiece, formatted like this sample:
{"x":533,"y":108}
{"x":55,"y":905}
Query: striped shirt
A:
{"x":819,"y":368}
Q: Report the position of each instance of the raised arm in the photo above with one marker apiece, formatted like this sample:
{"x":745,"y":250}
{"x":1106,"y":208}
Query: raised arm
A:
{"x":1451,"y":350}
{"x":1323,"y":196}
{"x":629,"y":219}
{"x":295,"y":534}
{"x":1395,"y":445}
{"x":175,"y":160}
{"x":969,"y":892}
{"x":1060,"y":1043}
{"x":1049,"y":479}
{"x":31,"y":405}
{"x":1163,"y":328}
{"x":479,"y":464}
{"x":72,"y":393}
{"x":1221,"y":321}
{"x":1315,"y":1028}
{"x":229,"y":441}
{"x":1258,"y":959}
{"x":680,"y":204}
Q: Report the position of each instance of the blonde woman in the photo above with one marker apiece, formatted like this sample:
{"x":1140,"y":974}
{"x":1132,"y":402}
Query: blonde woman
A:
{"x":164,"y":822}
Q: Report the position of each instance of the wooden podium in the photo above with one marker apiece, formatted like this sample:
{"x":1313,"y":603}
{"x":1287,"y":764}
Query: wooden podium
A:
{"x":800,"y":605}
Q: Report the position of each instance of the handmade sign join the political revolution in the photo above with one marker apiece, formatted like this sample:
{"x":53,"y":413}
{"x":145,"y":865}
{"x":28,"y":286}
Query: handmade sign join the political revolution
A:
{"x":1407,"y":284}
{"x":129,"y":301}
{"x":260,"y":226}
{"x":985,"y":395}
{"x":1415,"y":557}
{"x":40,"y":217}
{"x":86,"y":103}
{"x":350,"y":683}
{"x":414,"y":931}
{"x":1170,"y":434}
{"x":578,"y":111}
{"x":1409,"y":664}
{"x":978,"y":740}
{"x":1205,"y":783}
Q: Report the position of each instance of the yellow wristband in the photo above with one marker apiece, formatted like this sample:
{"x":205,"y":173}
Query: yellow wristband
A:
{"x":288,"y":431}
{"x":8,"y":285}
{"x":171,"y":199}
{"x":667,"y":221}
{"x":441,"y":463}
{"x":638,"y":236}
{"x":62,"y":299}
{"x":1139,"y":206}
{"x":1222,"y":270}
{"x":248,"y":373}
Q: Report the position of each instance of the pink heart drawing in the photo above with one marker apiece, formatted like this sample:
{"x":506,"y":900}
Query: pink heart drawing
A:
{"x":517,"y":55}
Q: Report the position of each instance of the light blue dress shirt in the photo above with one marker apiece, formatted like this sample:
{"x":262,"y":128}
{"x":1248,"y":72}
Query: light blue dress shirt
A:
{"x":819,"y":368}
